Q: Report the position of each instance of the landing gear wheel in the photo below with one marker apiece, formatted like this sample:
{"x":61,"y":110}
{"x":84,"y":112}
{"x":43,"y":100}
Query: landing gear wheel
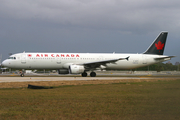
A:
{"x":84,"y":74}
{"x":22,"y":75}
{"x":93,"y":74}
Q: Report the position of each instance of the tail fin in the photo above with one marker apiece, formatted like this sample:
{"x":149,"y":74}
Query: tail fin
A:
{"x":157,"y":47}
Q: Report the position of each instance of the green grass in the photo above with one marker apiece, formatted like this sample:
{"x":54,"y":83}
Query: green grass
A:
{"x":143,"y":100}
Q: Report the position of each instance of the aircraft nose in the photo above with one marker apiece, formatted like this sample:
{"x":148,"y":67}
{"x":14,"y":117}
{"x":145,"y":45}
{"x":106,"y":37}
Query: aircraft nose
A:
{"x":4,"y":63}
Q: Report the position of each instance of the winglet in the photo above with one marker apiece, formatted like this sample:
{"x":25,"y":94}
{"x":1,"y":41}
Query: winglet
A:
{"x":127,"y":58}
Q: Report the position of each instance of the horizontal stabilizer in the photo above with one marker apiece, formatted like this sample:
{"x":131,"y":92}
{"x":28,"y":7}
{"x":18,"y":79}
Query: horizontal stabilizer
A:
{"x":162,"y":58}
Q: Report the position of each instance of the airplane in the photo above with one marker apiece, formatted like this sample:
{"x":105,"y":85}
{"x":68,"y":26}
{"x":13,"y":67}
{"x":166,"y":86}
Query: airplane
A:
{"x":80,"y":63}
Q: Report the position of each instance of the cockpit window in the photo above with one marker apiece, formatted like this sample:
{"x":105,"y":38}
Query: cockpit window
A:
{"x":12,"y":58}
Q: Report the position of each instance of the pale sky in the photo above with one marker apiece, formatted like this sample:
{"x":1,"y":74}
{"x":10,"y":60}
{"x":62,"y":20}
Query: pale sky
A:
{"x":88,"y":26}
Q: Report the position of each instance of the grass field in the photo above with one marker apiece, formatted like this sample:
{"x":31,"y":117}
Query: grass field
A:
{"x":118,"y":101}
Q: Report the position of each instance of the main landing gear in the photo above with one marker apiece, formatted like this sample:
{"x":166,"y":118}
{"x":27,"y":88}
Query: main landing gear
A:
{"x":92,"y":74}
{"x":84,"y":74}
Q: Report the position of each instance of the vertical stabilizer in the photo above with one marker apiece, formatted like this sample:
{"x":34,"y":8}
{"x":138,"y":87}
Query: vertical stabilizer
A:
{"x":157,"y":47}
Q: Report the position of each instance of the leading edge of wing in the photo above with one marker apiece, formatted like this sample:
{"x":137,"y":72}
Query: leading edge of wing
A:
{"x":104,"y":62}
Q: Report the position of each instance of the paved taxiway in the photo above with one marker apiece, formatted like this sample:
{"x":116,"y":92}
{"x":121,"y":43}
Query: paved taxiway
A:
{"x":38,"y":79}
{"x":32,"y":79}
{"x":106,"y":75}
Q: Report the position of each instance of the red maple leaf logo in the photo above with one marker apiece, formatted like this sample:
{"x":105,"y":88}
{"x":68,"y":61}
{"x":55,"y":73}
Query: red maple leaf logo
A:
{"x":159,"y":46}
{"x":29,"y":55}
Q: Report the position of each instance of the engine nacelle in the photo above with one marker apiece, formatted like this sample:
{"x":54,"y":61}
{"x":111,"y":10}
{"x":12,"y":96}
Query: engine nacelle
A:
{"x":63,"y":71}
{"x":76,"y":69}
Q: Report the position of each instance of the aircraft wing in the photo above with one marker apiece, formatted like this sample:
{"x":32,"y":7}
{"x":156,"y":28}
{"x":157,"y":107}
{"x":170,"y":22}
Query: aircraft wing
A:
{"x":104,"y":62}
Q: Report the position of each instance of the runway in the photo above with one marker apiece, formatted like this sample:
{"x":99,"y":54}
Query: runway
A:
{"x":38,"y":79}
{"x":105,"y":75}
{"x":33,"y":79}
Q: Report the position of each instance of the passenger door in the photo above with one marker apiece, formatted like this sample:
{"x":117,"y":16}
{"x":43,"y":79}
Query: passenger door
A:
{"x":23,"y":58}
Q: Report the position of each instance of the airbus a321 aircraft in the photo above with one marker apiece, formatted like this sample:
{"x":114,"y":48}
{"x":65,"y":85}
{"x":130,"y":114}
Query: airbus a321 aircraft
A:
{"x":80,"y":63}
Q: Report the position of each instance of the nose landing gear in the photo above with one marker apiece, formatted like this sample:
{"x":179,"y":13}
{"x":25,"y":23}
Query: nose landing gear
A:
{"x":22,"y":73}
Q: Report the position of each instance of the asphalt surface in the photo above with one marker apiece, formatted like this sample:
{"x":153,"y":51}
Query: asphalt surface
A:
{"x":31,"y":79}
{"x":77,"y":78}
{"x":12,"y":77}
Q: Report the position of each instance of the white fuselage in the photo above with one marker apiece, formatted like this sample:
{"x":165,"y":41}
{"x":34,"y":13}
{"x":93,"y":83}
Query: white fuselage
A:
{"x":63,"y":60}
{"x":80,"y":63}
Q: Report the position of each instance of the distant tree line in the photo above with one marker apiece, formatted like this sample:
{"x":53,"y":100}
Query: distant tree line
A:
{"x":159,"y":67}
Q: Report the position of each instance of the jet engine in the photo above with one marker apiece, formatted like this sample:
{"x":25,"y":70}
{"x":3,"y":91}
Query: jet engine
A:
{"x":63,"y":71}
{"x":76,"y":69}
